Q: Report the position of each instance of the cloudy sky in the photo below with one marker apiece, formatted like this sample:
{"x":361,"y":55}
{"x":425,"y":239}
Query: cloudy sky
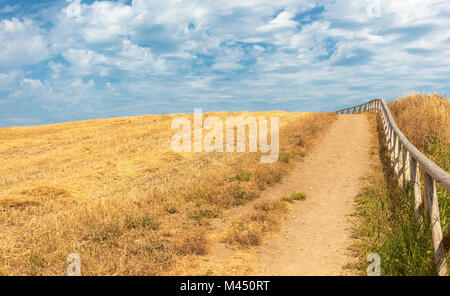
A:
{"x":74,"y":60}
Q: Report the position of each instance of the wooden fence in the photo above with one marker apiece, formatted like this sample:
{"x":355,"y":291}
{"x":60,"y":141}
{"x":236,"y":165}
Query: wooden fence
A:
{"x":406,"y":160}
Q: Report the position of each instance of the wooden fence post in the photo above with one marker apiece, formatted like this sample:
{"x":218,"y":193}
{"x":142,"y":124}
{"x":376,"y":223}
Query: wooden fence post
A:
{"x":439,"y":252}
{"x":393,"y":149}
{"x":425,"y":196}
{"x":388,"y":136}
{"x":415,"y":181}
{"x":400,"y":162}
{"x":406,"y":164}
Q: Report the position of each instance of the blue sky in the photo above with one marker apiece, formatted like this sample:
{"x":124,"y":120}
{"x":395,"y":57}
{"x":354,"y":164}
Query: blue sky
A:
{"x":75,"y":60}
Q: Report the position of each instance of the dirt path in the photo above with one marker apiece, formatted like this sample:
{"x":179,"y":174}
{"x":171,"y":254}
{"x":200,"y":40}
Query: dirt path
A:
{"x":317,"y":233}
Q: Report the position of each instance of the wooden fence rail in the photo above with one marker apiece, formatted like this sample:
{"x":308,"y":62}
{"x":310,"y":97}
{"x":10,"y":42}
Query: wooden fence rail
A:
{"x":406,"y":160}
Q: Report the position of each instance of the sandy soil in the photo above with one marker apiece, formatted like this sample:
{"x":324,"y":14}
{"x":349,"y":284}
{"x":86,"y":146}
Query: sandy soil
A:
{"x":317,"y":233}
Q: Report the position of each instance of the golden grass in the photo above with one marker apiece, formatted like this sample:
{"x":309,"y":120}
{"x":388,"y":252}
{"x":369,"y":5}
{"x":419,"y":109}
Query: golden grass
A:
{"x":422,"y":118}
{"x":425,"y":121}
{"x":113,"y":191}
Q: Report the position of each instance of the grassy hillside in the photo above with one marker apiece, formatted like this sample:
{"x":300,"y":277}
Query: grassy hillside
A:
{"x":114,"y":191}
{"x":389,"y":227}
{"x":425,"y":121}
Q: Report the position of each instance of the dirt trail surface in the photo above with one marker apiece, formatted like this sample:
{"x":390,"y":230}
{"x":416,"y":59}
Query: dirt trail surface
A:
{"x":316,"y":236}
{"x":317,"y":233}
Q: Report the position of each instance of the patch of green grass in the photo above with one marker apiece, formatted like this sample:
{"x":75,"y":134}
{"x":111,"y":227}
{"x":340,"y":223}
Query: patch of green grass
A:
{"x":142,"y":222}
{"x":277,"y":177}
{"x":240,"y":194}
{"x":300,"y":153}
{"x":298,"y":196}
{"x":242,"y":176}
{"x":389,"y":227}
{"x":199,"y":215}
{"x":196,"y":194}
{"x":37,"y":260}
{"x":284,"y":157}
{"x":294,"y":196}
{"x":237,"y":224}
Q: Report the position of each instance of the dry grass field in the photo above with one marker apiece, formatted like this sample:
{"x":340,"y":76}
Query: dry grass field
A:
{"x":425,"y":121}
{"x":423,"y":118}
{"x":113,"y":191}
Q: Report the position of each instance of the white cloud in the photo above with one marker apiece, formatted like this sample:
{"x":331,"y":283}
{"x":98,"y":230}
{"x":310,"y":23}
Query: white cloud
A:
{"x":33,"y":84}
{"x":136,"y":58}
{"x":282,"y":21}
{"x":21,"y":44}
{"x":83,"y":62}
{"x":9,"y":79}
{"x":73,"y":10}
{"x":56,"y":68}
{"x":152,"y":56}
